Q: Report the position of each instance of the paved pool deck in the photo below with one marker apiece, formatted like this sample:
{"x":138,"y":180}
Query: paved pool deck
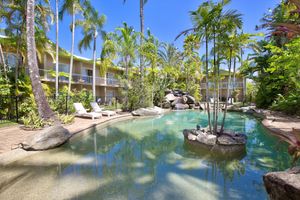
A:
{"x":281,"y":125}
{"x":11,"y":136}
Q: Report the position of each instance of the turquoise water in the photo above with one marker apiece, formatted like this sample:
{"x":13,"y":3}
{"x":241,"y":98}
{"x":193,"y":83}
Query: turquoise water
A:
{"x":147,"y":159}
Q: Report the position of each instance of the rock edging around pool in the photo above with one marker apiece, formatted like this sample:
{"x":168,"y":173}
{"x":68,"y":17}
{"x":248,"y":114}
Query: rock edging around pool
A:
{"x":228,"y":144}
{"x":283,"y":185}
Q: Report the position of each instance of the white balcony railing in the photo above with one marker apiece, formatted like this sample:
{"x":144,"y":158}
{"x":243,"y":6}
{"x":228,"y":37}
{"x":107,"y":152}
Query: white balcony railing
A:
{"x":223,"y":85}
{"x":47,"y":75}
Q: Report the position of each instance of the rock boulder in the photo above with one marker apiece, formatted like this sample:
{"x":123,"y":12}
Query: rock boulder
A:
{"x":148,"y":111}
{"x":48,"y":138}
{"x":283,"y":185}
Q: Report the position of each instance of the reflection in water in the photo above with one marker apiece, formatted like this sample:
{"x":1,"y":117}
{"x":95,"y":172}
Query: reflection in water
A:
{"x":147,"y":159}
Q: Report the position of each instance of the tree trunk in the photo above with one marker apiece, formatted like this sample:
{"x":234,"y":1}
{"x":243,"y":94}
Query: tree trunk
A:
{"x":215,"y":86}
{"x":234,"y":71}
{"x":94,"y":66}
{"x":207,"y":85}
{"x":44,"y":109}
{"x":142,"y":35}
{"x":72,"y":51}
{"x":3,"y":62}
{"x":18,"y":63}
{"x":57,"y":50}
{"x":228,"y":84}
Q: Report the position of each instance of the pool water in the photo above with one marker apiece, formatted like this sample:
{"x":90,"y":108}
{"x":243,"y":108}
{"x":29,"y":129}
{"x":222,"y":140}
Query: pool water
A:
{"x":147,"y":159}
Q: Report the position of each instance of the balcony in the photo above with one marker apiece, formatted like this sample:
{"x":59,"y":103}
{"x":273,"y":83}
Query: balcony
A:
{"x":47,"y":75}
{"x":223,"y":85}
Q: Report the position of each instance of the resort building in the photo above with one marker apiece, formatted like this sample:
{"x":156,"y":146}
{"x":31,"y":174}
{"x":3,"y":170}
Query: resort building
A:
{"x":107,"y":85}
{"x":238,"y":84}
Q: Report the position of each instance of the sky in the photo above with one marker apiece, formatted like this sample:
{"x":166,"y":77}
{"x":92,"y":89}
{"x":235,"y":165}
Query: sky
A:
{"x":165,"y":18}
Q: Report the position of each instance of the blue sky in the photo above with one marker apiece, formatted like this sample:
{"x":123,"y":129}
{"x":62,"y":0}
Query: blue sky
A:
{"x":165,"y":18}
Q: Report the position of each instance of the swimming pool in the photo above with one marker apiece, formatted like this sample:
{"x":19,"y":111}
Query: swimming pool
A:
{"x":147,"y":158}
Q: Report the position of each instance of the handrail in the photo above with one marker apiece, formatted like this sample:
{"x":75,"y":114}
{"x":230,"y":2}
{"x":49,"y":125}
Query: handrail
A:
{"x":79,"y":78}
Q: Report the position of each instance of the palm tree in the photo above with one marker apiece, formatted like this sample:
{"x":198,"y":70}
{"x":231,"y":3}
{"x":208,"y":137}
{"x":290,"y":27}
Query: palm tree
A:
{"x":72,"y":7}
{"x":44,"y":109}
{"x":57,"y":48}
{"x":201,"y":19}
{"x":92,"y":26}
{"x":126,"y":39}
{"x":205,"y":20}
{"x":142,"y":28}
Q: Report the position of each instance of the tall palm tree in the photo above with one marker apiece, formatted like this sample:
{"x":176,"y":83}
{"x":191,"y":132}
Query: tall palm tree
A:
{"x":206,"y":20}
{"x":72,"y":7}
{"x":57,"y":48}
{"x":126,"y":39}
{"x":92,"y":25}
{"x":201,"y":19}
{"x":44,"y":109}
{"x":142,"y":28}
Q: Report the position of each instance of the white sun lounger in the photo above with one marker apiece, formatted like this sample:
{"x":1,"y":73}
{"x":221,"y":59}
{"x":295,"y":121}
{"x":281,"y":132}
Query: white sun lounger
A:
{"x":97,"y":109}
{"x":81,"y":112}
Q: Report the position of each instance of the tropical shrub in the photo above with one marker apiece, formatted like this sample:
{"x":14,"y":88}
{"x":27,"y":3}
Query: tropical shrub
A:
{"x":66,"y":119}
{"x":289,"y":104}
{"x":32,"y":120}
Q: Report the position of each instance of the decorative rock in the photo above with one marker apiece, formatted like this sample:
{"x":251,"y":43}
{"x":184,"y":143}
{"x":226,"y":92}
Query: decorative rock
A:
{"x":283,"y":185}
{"x":168,"y":92}
{"x":48,"y":138}
{"x":207,"y":139}
{"x":180,"y":106}
{"x":232,"y":139}
{"x":230,"y":148}
{"x":190,"y":99}
{"x":191,"y":106}
{"x":192,"y":137}
{"x":166,"y":105}
{"x":177,"y":100}
{"x":170,"y":97}
{"x":148,"y":111}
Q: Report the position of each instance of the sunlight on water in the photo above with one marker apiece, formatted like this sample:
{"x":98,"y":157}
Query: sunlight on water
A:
{"x":147,"y":159}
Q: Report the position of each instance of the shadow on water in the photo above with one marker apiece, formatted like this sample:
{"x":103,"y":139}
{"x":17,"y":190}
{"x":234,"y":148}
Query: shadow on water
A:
{"x":146,"y":159}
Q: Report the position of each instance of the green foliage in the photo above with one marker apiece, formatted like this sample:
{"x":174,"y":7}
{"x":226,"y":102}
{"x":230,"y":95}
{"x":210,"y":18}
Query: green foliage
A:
{"x":27,"y":105}
{"x":251,"y":92}
{"x":83,"y":96}
{"x":289,"y":104}
{"x":66,"y":119}
{"x":32,"y":120}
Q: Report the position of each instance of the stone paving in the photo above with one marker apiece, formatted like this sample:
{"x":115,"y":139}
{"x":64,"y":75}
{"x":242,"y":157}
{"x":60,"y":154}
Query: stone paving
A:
{"x":11,"y":136}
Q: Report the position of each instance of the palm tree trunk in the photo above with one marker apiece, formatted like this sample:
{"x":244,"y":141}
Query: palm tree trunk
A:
{"x":228,"y":84}
{"x":215,"y":85}
{"x":57,"y":50}
{"x":3,"y":62}
{"x":207,"y":85}
{"x":94,"y":66}
{"x":18,"y":63}
{"x":234,"y":71}
{"x":44,"y":109}
{"x":72,"y":51}
{"x":142,"y":35}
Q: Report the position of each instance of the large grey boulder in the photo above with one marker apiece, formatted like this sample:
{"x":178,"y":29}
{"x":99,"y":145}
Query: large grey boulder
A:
{"x":147,"y":111}
{"x":283,"y":185}
{"x":190,"y":99}
{"x":207,"y":139}
{"x":180,"y":106}
{"x":170,"y":97}
{"x":232,"y":139}
{"x":48,"y":138}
